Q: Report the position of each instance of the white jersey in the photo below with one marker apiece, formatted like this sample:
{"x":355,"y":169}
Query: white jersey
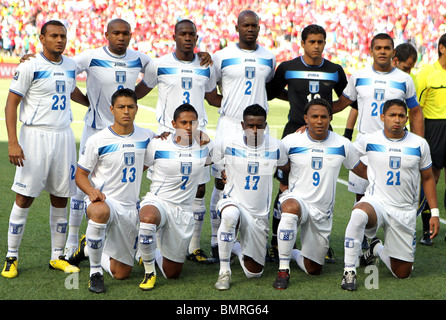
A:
{"x":371,"y":89}
{"x":176,"y":170}
{"x":315,"y":167}
{"x":242,"y":76}
{"x":179,"y":82}
{"x":116,"y":163}
{"x":249,"y":171}
{"x":394,"y":167}
{"x":45,"y":87}
{"x":106,"y":73}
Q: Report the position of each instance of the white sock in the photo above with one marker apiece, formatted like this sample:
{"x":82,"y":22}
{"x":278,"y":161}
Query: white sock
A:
{"x":226,"y":236}
{"x":95,"y":241}
{"x":286,"y":238}
{"x":17,"y":222}
{"x":199,"y":209}
{"x":147,"y":246}
{"x":58,"y":226}
{"x":215,"y":217}
{"x":77,"y":211}
{"x":378,"y":250}
{"x":159,"y":261}
{"x":354,"y":234}
{"x":297,"y":255}
{"x":105,"y":264}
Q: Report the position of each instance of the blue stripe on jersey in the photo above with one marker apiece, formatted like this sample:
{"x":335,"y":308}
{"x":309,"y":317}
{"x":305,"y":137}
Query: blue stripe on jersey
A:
{"x":412,"y":151}
{"x":174,"y":155}
{"x":142,"y":144}
{"x":41,"y":75}
{"x":203,"y":72}
{"x":299,"y":150}
{"x":107,"y":149}
{"x":111,"y":64}
{"x":412,"y":102}
{"x":398,"y":85}
{"x":363,"y":82}
{"x":162,"y":71}
{"x":312,"y":75}
{"x":336,"y":150}
{"x":265,"y":62}
{"x":71,"y":74}
{"x":229,"y":62}
{"x":375,"y":147}
{"x":240,"y":153}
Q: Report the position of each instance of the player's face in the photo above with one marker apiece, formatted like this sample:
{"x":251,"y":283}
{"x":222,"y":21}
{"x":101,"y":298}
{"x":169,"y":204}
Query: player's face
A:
{"x":318,"y":121}
{"x":382,"y":53}
{"x":186,"y":38}
{"x":394,"y":119}
{"x":248,"y":28}
{"x":254,"y":127}
{"x":54,"y":40}
{"x":124,"y":111}
{"x":185,"y":126}
{"x":118,"y":36}
{"x":314,"y":46}
{"x":405,"y":66}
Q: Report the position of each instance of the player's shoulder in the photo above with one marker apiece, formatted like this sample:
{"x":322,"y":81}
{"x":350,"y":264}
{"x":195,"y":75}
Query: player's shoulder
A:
{"x":144,"y":132}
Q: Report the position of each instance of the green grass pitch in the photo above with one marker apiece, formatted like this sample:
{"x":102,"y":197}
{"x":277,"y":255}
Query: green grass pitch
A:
{"x":36,"y":282}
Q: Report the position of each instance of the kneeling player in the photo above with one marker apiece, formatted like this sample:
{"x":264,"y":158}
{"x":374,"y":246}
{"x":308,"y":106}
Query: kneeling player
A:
{"x":397,"y":159}
{"x":166,"y":212}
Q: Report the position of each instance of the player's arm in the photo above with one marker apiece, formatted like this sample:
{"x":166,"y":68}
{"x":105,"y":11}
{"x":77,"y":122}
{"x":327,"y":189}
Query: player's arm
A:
{"x":84,"y":184}
{"x":341,"y":103}
{"x":15,"y":152}
{"x":78,"y":96}
{"x":213,"y":98}
{"x":416,"y":120}
{"x":360,"y":170}
{"x":206,"y":59}
{"x":350,"y":125}
{"x":430,"y":192}
{"x":142,"y":90}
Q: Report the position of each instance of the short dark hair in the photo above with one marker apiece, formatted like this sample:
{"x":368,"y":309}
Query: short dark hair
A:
{"x":183,"y":108}
{"x":184,"y":21}
{"x":441,"y":41}
{"x":405,"y":51}
{"x":319,"y":102}
{"x":254,"y":110}
{"x":382,"y":36}
{"x":312,"y":29}
{"x":51,"y":23}
{"x":124,"y":92}
{"x":394,"y":102}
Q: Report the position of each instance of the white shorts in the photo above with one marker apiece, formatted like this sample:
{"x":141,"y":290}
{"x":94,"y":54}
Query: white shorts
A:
{"x":50,"y":162}
{"x":399,"y":229}
{"x":315,"y":227}
{"x":122,"y":232}
{"x":175,"y":229}
{"x":253,"y":231}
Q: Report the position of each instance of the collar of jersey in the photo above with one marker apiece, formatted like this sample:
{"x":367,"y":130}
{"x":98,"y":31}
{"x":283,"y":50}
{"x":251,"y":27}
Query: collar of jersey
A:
{"x":111,"y":54}
{"x":182,"y":61}
{"x":118,"y":135}
{"x":396,"y":140}
{"x":310,"y":66}
{"x":248,"y":51}
{"x":381,"y":73}
{"x":320,"y":141}
{"x":55,"y":63}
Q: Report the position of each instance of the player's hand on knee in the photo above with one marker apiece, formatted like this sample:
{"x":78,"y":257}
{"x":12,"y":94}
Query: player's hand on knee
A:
{"x":96,"y":195}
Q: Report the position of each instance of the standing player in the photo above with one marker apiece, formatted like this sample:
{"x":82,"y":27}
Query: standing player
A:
{"x":181,"y":78}
{"x":114,"y":160}
{"x":45,"y":155}
{"x":371,"y":87}
{"x":432,"y":96}
{"x":108,"y":69}
{"x":308,"y":77}
{"x":250,"y":160}
{"x":166,"y":214}
{"x":315,"y":159}
{"x":242,"y":71}
{"x":396,"y":161}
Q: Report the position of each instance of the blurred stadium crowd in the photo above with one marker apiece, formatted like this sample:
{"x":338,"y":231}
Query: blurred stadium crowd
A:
{"x":350,"y":24}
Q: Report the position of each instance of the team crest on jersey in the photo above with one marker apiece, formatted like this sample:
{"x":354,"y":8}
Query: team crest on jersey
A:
{"x":60,"y":86}
{"x":379,"y":94}
{"x":186,"y":83}
{"x":317,"y":162}
{"x":250,"y":72}
{"x":313,"y":86}
{"x":129,"y":158}
{"x":120,"y":76}
{"x":186,"y":168}
{"x":253,"y":167}
{"x":394,"y":162}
